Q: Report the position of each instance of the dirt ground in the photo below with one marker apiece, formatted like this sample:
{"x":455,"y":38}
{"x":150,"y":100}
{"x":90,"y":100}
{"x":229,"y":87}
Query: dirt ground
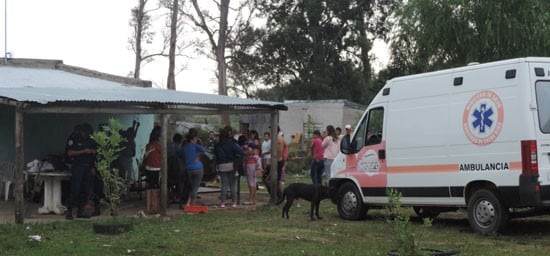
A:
{"x":129,"y":207}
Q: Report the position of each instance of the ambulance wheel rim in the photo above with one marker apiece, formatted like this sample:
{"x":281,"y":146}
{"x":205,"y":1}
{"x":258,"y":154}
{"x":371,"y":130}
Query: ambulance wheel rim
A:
{"x":349,"y":202}
{"x":484,"y":213}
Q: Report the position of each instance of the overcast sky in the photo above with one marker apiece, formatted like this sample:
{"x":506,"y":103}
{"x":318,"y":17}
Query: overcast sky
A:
{"x":92,"y":34}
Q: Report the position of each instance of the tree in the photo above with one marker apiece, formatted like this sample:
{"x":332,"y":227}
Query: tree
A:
{"x":144,"y":31}
{"x":202,"y":19}
{"x":220,"y":34}
{"x":319,"y":49}
{"x":140,"y":22}
{"x":171,"y":82}
{"x":437,"y":34}
{"x":142,"y":25}
{"x":241,"y":65}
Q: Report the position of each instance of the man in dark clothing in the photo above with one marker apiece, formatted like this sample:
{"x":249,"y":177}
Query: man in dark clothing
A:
{"x":125,"y":157}
{"x":82,"y":150}
{"x":178,"y":182}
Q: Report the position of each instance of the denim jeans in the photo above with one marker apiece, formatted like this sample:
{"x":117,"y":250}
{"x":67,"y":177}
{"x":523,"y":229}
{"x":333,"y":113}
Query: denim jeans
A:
{"x":126,"y":169}
{"x":327,"y":163}
{"x":317,"y":172}
{"x":229,"y":180}
{"x":195,"y":178}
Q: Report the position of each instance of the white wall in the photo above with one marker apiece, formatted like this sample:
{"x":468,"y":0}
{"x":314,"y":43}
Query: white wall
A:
{"x":322,"y":113}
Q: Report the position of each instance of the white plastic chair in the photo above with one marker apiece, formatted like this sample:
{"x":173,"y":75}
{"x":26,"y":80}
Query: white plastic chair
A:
{"x":7,"y":176}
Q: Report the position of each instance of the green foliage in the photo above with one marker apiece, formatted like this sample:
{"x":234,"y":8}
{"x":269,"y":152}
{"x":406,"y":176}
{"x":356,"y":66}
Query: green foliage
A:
{"x":407,"y":239}
{"x":436,"y":34}
{"x":108,"y":149}
{"x":316,"y":49}
{"x":298,"y":165}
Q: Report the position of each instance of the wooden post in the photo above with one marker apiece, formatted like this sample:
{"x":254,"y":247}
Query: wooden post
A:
{"x":164,"y":165}
{"x":18,"y":191}
{"x":273,"y":184}
{"x":152,"y":196}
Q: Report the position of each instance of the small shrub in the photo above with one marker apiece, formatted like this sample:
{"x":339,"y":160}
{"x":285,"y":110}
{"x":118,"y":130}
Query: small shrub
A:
{"x":407,"y":241}
{"x":298,"y":165}
{"x":108,"y":149}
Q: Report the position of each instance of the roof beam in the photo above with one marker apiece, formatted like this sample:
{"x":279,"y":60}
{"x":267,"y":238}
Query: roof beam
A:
{"x":114,"y":110}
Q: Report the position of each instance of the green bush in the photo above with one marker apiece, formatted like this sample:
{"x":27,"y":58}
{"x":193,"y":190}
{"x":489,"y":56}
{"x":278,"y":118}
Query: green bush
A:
{"x":298,"y":165}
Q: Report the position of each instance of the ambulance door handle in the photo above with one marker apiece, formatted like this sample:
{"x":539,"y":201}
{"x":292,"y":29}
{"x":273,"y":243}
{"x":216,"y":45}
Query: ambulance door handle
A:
{"x":382,"y":154}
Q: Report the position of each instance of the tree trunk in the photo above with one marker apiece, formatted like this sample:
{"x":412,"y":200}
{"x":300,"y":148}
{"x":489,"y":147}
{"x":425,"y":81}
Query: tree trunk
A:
{"x":365,"y":54}
{"x":171,"y":83}
{"x":220,"y":55}
{"x":139,"y":36}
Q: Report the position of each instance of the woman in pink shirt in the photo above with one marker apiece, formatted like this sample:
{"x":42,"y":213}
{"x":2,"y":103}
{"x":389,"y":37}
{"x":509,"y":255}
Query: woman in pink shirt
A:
{"x":317,"y":158}
{"x":331,"y":149}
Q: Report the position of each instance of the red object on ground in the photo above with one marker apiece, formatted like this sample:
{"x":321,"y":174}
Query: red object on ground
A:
{"x":195,"y":209}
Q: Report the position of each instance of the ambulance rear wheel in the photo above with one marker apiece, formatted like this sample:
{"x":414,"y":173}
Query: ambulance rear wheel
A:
{"x":350,"y":203}
{"x":486,"y":213}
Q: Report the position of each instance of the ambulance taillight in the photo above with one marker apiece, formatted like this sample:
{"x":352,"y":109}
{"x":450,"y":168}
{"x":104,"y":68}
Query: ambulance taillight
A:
{"x":529,"y":160}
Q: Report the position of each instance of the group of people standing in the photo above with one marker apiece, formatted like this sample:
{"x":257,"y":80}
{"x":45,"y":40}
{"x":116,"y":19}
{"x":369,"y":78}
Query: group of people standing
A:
{"x":186,"y":157}
{"x":324,"y":148}
{"x":244,"y":156}
{"x":233,"y":157}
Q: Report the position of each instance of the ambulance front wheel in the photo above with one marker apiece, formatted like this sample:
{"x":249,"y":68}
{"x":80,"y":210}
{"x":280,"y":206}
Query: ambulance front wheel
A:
{"x":350,"y":203}
{"x":486,"y":213}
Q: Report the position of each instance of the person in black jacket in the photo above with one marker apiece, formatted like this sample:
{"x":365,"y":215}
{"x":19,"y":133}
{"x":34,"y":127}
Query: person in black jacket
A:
{"x":227,"y":151}
{"x":82,"y":150}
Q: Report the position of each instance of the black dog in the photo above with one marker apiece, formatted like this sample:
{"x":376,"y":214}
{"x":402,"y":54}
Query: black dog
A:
{"x":309,"y":192}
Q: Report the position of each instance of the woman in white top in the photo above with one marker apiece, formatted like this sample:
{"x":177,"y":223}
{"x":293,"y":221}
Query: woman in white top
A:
{"x":266,"y":151}
{"x":331,"y":149}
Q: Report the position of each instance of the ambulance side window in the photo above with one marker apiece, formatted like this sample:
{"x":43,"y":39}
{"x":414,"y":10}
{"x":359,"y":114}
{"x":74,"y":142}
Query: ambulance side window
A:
{"x":374,"y":126}
{"x":543,"y":99}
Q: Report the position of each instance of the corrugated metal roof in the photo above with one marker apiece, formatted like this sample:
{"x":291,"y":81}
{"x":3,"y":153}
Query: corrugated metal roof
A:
{"x":43,"y":86}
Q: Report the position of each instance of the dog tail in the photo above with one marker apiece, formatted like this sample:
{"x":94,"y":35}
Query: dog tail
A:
{"x":282,"y":198}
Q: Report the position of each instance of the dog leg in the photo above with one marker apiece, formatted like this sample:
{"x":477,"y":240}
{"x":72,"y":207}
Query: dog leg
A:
{"x":287,"y":206}
{"x":317,"y":210}
{"x":312,"y":208}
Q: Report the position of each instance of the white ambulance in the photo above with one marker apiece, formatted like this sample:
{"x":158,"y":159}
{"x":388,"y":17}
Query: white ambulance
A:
{"x":475,"y":137}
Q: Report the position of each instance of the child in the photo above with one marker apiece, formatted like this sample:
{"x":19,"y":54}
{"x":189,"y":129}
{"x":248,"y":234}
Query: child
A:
{"x":253,"y":164}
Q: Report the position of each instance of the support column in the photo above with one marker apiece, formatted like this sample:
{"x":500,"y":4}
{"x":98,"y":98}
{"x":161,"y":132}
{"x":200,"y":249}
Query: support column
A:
{"x":164,"y":165}
{"x":274,"y":156}
{"x":19,"y":158}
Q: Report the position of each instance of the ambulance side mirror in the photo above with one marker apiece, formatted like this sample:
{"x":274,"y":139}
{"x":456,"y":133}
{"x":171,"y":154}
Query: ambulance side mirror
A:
{"x":347,"y":146}
{"x":381,"y":154}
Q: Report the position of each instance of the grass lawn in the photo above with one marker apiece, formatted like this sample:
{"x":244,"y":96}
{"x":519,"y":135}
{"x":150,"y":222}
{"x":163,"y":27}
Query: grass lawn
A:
{"x":263,"y":232}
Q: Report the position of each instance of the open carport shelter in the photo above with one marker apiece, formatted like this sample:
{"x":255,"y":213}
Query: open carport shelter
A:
{"x":35,"y":94}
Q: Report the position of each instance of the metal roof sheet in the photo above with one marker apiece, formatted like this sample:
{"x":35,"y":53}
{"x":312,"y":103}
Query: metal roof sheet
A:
{"x":36,"y":85}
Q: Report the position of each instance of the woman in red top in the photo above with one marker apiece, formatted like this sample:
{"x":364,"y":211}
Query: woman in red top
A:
{"x":152,"y":159}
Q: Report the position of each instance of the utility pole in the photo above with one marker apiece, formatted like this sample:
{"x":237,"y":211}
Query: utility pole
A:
{"x":5,"y":31}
